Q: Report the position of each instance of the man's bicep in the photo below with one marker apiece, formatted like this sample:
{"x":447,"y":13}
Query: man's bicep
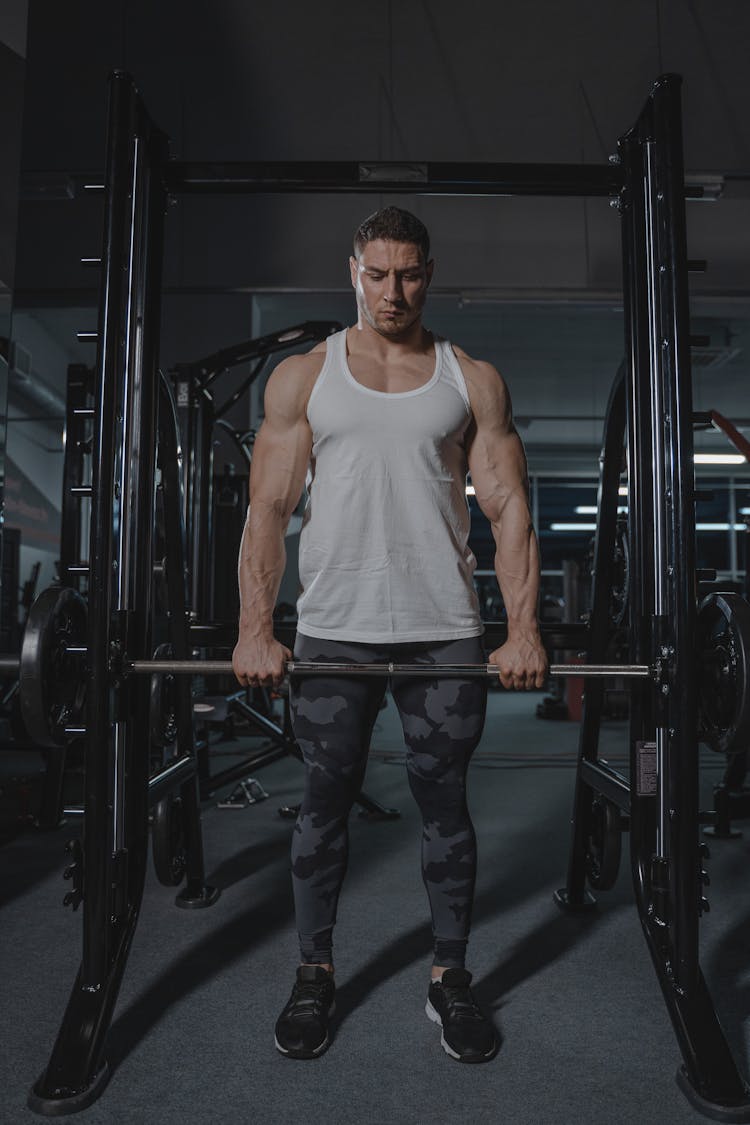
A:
{"x":494,"y":452}
{"x":497,"y":464}
{"x":281,"y":454}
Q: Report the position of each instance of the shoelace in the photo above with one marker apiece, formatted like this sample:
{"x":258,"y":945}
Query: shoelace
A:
{"x":307,"y":999}
{"x":461,"y":1004}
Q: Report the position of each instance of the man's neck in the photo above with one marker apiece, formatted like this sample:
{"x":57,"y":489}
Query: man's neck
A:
{"x":362,"y":337}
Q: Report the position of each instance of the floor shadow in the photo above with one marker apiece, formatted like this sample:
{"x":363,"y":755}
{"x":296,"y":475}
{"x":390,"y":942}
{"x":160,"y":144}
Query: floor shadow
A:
{"x":207,"y":959}
{"x":534,"y":952}
{"x":251,"y":860}
{"x":727,"y":968}
{"x":521,"y":882}
{"x":233,"y":942}
{"x":410,"y":948}
{"x":530,"y":862}
{"x":31,"y":857}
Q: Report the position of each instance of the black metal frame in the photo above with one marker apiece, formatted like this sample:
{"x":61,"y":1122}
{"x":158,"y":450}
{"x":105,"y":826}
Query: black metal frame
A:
{"x":198,"y":414}
{"x":408,"y":177}
{"x":648,"y":181}
{"x":79,"y":413}
{"x":111,"y":865}
{"x":660,"y":801}
{"x":594,"y":776}
{"x":666,"y":853}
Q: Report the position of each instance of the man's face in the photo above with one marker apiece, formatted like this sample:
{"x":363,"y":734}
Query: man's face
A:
{"x":391,"y":281}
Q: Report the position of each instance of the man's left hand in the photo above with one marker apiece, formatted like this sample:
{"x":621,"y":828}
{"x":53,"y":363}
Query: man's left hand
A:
{"x":522,"y":662}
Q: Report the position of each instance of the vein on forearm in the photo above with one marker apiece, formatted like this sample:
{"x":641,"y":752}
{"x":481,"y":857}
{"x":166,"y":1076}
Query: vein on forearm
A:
{"x":262,"y":561}
{"x":516,"y":558}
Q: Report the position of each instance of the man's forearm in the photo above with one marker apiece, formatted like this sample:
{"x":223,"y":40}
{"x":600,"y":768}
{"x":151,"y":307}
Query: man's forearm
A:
{"x":260,"y":569}
{"x":517,"y":567}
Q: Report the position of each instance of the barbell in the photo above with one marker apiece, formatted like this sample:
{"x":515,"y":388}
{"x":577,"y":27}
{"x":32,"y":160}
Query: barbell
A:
{"x":52,"y":675}
{"x":314,"y":668}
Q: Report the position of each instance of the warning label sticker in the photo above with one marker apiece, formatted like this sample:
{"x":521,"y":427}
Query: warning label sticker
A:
{"x":647,"y":775}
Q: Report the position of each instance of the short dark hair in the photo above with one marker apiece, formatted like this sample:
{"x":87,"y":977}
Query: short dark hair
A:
{"x":392,"y":225}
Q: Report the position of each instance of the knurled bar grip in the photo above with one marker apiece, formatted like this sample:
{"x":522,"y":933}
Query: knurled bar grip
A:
{"x":311,"y":668}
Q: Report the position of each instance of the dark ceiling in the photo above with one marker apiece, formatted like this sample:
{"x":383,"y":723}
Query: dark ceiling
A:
{"x":532,"y":284}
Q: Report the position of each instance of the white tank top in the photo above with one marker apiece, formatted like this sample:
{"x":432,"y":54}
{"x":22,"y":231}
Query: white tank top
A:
{"x":384,"y":554}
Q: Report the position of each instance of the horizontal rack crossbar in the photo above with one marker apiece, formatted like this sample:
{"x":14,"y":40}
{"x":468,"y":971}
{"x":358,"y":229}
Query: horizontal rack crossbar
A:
{"x":405,"y":177}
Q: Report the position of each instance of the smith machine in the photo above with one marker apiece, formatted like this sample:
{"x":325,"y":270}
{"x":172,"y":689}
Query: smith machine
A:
{"x":81,"y":671}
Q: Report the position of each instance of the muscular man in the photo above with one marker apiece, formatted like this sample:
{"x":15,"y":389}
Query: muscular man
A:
{"x":387,"y":419}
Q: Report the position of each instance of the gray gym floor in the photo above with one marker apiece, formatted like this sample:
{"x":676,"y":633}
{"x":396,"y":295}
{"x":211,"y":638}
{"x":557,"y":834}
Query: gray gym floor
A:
{"x":586,"y":1036}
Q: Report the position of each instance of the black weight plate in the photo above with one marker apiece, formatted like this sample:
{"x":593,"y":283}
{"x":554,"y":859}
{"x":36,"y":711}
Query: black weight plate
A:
{"x":52,"y":682}
{"x":724,"y":671}
{"x":168,"y":842}
{"x":163,"y":702}
{"x":604,"y":845}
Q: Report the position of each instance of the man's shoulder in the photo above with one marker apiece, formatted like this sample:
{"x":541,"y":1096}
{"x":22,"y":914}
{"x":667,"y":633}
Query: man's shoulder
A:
{"x":488,"y":394}
{"x":302,"y":364}
{"x":291,"y":381}
{"x":479,"y":374}
{"x":297,"y":369}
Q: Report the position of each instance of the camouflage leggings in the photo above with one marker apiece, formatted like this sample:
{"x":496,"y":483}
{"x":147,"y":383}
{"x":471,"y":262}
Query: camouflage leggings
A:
{"x":333,"y":720}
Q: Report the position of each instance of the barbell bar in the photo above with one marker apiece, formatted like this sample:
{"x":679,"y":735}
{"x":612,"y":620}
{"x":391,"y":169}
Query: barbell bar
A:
{"x":10,"y":665}
{"x":313,"y":668}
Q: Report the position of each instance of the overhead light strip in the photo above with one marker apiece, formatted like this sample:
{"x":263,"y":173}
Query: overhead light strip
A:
{"x":591,"y":510}
{"x":572,"y":527}
{"x":562,"y":526}
{"x":719,"y":459}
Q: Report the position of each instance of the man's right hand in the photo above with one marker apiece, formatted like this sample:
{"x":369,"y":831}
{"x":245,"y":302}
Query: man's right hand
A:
{"x":260,"y":661}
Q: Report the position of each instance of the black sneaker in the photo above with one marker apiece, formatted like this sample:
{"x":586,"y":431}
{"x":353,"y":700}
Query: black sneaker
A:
{"x":467,"y":1035}
{"x":302,"y":1027}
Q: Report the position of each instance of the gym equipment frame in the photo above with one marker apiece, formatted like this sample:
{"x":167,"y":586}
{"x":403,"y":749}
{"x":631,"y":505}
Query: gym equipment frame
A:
{"x":198,"y":414}
{"x":646,"y":179}
{"x":660,"y":804}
